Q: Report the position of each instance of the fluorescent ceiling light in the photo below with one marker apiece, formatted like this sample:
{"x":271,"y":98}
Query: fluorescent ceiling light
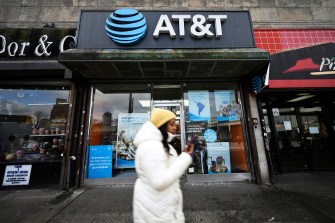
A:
{"x":301,"y":98}
{"x":43,"y":104}
{"x":167,"y":86}
{"x":145,"y":103}
{"x":49,"y":104}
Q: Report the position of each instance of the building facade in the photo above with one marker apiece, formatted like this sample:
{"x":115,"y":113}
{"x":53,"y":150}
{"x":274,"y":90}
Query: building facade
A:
{"x":72,"y":96}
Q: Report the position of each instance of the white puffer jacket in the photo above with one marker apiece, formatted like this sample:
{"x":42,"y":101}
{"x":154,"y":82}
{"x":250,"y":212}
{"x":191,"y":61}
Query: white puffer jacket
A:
{"x":157,"y":195}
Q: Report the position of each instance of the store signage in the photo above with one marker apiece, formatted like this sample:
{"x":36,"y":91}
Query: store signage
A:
{"x":129,"y":28}
{"x":199,"y":27}
{"x":17,"y":175}
{"x":126,"y":26}
{"x":260,"y":79}
{"x":306,"y":67}
{"x":100,"y":161}
{"x":327,"y":66}
{"x":41,"y":43}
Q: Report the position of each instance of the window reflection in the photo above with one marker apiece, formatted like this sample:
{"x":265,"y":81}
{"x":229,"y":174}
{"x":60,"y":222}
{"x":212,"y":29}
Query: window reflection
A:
{"x":115,"y":120}
{"x":32,"y":124}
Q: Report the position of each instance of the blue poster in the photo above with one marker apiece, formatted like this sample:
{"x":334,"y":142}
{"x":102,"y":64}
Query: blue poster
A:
{"x":218,"y":157}
{"x":100,"y":161}
{"x":199,"y":109}
{"x":128,"y":125}
{"x":225,"y":106}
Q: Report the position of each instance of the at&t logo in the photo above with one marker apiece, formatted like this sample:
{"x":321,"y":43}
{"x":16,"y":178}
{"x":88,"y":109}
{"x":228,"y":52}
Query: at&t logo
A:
{"x":126,"y":26}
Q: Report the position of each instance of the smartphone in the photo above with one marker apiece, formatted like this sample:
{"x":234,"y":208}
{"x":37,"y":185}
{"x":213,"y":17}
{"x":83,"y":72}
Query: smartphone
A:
{"x":193,"y":139}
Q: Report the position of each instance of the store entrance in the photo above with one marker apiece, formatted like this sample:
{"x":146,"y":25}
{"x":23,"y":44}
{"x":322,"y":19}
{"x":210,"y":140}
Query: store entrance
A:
{"x":169,"y":97}
{"x":301,"y":132}
{"x":176,"y":107}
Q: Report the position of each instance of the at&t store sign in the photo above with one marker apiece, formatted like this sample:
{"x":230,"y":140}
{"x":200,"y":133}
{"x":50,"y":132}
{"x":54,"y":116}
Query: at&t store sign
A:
{"x":130,"y":28}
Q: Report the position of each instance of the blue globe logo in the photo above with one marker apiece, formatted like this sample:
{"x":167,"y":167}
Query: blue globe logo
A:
{"x":126,"y":26}
{"x":257,"y":83}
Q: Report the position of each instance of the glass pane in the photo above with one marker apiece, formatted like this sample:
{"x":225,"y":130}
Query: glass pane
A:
{"x":315,"y":141}
{"x":288,"y":137}
{"x":33,"y":124}
{"x":116,"y":118}
{"x":215,"y":115}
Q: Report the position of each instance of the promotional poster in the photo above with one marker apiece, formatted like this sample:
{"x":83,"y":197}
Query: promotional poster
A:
{"x":226,"y":106}
{"x":218,"y":157}
{"x":199,"y":109}
{"x":128,"y":125}
{"x":100,"y":161}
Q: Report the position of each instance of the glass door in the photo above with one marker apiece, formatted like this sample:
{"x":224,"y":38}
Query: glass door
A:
{"x":287,"y":135}
{"x":315,"y":141}
{"x":176,"y":107}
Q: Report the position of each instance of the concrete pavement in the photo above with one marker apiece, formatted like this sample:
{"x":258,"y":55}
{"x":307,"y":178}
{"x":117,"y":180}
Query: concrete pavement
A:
{"x":304,"y":197}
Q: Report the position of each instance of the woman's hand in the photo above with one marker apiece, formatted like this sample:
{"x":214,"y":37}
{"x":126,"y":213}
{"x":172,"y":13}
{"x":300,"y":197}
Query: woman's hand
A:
{"x":189,"y":149}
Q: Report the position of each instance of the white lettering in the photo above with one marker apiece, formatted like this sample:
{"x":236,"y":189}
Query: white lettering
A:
{"x":217,"y":19}
{"x":164,"y":29}
{"x":327,"y":62}
{"x":23,"y":47}
{"x":3,"y":45}
{"x":181,"y":19}
{"x":198,"y":30}
{"x":16,"y":46}
{"x":61,"y":44}
{"x":199,"y":27}
{"x":42,"y":46}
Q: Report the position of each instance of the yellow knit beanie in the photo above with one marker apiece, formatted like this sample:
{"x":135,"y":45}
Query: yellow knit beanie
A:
{"x":160,"y":116}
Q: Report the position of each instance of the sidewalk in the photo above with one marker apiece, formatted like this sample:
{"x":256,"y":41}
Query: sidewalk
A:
{"x":305,"y":197}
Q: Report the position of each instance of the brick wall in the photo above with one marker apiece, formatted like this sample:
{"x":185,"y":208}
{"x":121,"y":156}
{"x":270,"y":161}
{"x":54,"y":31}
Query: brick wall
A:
{"x":265,"y":13}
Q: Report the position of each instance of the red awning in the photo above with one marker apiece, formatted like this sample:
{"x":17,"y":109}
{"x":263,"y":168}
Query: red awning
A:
{"x":310,"y":67}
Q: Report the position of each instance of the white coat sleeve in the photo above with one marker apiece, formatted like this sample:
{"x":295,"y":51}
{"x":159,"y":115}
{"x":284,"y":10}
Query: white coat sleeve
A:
{"x":154,"y":166}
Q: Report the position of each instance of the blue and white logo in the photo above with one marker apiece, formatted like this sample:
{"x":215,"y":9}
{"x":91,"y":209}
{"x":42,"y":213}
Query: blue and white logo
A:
{"x":257,"y":83}
{"x":126,"y":26}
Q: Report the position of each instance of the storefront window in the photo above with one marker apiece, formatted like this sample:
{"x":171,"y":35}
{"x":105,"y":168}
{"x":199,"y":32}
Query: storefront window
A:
{"x":214,"y":113}
{"x":115,"y":120}
{"x":33,"y":124}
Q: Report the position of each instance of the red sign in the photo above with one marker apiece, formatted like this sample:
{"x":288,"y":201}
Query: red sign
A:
{"x":310,"y":67}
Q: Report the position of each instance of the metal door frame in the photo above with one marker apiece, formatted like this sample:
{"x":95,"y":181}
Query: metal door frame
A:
{"x":176,"y":103}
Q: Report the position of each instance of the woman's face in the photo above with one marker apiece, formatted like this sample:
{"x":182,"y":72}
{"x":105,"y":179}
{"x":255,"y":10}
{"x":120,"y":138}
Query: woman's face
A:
{"x":171,"y":126}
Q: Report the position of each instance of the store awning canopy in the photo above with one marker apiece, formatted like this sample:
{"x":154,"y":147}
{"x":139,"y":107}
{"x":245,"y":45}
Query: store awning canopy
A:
{"x":308,"y":67}
{"x":165,"y":63}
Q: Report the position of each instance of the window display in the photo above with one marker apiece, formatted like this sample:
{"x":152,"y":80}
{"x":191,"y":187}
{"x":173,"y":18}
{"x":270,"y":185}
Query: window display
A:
{"x":215,"y":115}
{"x":212,"y":112}
{"x":33,"y":124}
{"x":115,"y":120}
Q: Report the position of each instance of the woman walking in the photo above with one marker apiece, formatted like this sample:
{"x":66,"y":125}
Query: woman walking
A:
{"x":157,"y":193}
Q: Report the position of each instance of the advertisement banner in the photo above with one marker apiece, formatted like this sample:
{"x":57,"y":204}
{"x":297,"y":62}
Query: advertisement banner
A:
{"x":218,"y":157}
{"x":226,"y":106}
{"x":100,"y":161}
{"x":128,"y":125}
{"x":199,"y":109}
